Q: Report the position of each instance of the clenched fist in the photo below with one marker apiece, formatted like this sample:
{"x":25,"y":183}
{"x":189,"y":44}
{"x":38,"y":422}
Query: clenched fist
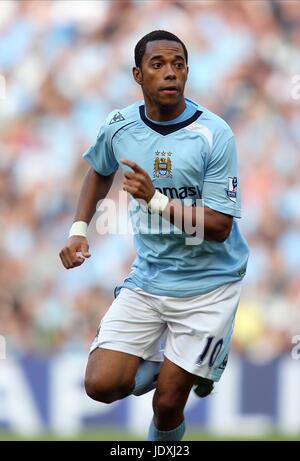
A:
{"x":69,"y":254}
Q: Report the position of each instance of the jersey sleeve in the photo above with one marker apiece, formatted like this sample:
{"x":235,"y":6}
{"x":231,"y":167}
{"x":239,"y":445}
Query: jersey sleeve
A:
{"x":221,"y":188}
{"x":100,"y":156}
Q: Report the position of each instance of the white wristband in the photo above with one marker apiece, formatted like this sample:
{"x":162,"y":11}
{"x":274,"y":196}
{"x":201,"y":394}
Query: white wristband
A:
{"x":158,"y":202}
{"x":78,"y":228}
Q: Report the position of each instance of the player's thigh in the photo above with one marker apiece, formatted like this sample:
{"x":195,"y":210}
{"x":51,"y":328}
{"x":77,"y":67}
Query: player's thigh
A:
{"x":200,"y":330}
{"x":173,"y":387}
{"x":108,"y":369}
{"x":129,"y":331}
{"x":132,"y":325}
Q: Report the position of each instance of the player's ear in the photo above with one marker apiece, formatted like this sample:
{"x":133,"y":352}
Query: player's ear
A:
{"x":137,"y":75}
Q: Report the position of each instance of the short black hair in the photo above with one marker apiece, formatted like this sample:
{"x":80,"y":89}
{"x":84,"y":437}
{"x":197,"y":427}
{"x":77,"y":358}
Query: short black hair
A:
{"x":140,"y":47}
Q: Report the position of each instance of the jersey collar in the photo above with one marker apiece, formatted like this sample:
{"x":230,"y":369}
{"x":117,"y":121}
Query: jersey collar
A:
{"x":167,"y":129}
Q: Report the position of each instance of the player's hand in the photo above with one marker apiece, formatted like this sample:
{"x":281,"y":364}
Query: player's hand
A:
{"x":69,"y":254}
{"x":138,"y":183}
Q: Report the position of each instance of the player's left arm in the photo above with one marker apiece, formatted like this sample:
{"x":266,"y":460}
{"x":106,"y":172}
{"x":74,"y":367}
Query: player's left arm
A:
{"x":217,"y":225}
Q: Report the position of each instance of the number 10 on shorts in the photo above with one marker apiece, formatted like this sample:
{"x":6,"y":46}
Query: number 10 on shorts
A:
{"x":212,"y":350}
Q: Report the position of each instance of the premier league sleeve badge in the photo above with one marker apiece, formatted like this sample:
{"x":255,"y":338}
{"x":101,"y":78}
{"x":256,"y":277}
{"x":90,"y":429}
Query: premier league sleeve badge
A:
{"x":231,"y":192}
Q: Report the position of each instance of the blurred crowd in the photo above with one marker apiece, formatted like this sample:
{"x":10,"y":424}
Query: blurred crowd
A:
{"x":66,"y":65}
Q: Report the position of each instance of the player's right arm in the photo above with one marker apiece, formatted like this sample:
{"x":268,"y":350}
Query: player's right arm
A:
{"x":94,"y":188}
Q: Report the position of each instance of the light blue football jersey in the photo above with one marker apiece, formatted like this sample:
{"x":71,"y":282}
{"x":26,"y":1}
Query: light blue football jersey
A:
{"x":191,"y":157}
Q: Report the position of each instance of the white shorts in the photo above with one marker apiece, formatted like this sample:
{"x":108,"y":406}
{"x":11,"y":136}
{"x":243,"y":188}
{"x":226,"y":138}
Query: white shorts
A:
{"x":194,"y":332}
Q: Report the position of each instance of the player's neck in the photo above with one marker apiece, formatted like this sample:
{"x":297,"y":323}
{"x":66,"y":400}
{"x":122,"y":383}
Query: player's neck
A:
{"x":164,"y":113}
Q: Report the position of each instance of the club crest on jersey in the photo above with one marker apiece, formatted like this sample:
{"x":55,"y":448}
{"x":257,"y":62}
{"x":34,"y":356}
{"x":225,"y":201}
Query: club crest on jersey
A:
{"x":231,"y":192}
{"x":162,"y":165}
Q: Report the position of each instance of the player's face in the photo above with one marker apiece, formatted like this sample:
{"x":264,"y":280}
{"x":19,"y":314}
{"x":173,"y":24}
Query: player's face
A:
{"x":163,"y":73}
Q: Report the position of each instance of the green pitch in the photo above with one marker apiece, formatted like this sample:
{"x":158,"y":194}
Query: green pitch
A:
{"x":115,"y":435}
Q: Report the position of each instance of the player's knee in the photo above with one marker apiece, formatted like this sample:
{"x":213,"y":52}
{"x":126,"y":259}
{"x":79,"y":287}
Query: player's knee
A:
{"x":106,"y":392}
{"x":167,"y":404}
{"x":98,"y":392}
